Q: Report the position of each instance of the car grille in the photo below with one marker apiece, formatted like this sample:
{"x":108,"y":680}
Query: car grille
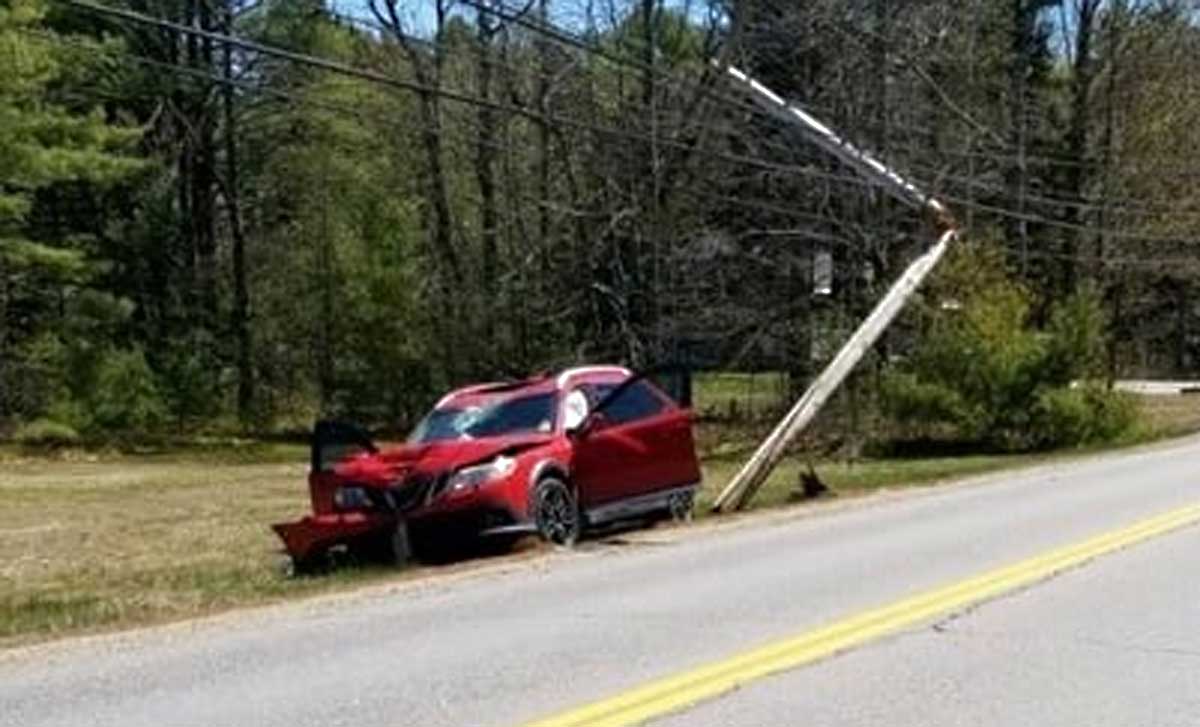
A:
{"x":412,"y":492}
{"x":437,"y":487}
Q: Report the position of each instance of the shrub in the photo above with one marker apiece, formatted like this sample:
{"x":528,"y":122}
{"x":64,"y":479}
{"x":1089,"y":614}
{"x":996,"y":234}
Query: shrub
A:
{"x":1071,"y":417}
{"x":1062,"y":418}
{"x":126,"y":396}
{"x":45,"y":433}
{"x":984,"y":372}
{"x":37,"y":377}
{"x":190,"y":379}
{"x":1075,"y":337}
{"x":1115,"y":413}
{"x":922,"y":407}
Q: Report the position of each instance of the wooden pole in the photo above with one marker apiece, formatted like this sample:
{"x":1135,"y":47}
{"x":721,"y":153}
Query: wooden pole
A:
{"x":738,"y":493}
{"x":744,"y":486}
{"x":860,"y":160}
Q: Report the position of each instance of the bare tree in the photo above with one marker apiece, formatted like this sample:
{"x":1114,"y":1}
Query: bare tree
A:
{"x":428,"y":61}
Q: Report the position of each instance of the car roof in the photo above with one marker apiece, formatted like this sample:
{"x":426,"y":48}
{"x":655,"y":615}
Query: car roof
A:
{"x":481,"y":394}
{"x":586,"y":374}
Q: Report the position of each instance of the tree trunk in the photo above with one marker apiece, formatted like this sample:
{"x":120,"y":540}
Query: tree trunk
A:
{"x":1181,"y":327}
{"x":187,"y":169}
{"x":1019,"y":124}
{"x":325,"y":319}
{"x":1082,"y":77}
{"x":204,"y":236}
{"x":543,"y":129}
{"x":486,"y":140}
{"x":240,"y":318}
{"x":5,"y":395}
{"x":644,"y":310}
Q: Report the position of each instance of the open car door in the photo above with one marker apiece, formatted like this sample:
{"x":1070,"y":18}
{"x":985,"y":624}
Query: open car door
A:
{"x":636,"y":442}
{"x":333,"y":441}
{"x":308,"y":538}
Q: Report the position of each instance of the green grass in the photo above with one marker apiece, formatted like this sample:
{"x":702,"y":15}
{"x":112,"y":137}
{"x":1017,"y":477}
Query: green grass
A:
{"x":220,"y":450}
{"x":111,"y":542}
{"x":132,"y":540}
{"x":1169,"y":416}
{"x":103,"y":538}
{"x":722,"y":394}
{"x":856,"y":478}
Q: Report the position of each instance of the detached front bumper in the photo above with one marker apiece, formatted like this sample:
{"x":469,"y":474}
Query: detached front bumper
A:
{"x":313,"y":535}
{"x":447,"y":517}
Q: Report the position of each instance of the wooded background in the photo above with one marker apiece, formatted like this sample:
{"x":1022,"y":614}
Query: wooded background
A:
{"x":245,"y":213}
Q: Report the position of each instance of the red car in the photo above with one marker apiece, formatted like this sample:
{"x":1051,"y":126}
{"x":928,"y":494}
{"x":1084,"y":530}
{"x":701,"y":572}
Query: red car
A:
{"x":552,"y":454}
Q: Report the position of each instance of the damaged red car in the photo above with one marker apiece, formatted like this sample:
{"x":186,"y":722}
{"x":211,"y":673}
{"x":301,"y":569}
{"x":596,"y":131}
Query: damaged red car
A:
{"x":554,"y":454}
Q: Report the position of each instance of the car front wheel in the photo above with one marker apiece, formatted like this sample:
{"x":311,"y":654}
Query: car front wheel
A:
{"x":556,"y":512}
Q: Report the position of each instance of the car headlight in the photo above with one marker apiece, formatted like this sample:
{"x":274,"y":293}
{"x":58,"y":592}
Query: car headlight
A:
{"x":469,"y":478}
{"x":351,"y":498}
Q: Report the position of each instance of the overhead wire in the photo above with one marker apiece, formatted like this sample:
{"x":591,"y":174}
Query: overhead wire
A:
{"x":412,"y":86}
{"x":1112,"y":205}
{"x":377,"y":77}
{"x":373,"y":76}
{"x":359,"y":114}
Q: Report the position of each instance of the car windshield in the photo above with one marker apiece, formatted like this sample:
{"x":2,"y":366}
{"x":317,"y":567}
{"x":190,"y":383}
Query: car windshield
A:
{"x":510,"y":416}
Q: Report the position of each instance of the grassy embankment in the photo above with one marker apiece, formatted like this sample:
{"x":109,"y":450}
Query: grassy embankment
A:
{"x":94,"y":541}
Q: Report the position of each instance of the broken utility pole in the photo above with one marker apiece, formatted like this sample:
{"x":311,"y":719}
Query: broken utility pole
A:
{"x":745,"y":484}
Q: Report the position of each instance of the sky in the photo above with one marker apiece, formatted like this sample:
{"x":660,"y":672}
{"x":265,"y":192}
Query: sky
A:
{"x":566,"y":15}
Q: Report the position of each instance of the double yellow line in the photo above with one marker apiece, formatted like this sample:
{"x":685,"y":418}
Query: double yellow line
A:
{"x":674,"y":693}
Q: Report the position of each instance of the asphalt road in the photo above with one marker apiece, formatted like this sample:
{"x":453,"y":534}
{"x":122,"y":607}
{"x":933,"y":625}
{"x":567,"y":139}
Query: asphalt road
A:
{"x":1114,"y":642}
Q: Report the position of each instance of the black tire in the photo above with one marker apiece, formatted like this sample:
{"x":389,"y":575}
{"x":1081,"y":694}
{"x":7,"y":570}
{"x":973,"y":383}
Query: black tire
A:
{"x":556,"y":512}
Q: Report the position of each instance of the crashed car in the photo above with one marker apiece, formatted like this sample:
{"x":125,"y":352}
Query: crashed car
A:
{"x":553,"y":454}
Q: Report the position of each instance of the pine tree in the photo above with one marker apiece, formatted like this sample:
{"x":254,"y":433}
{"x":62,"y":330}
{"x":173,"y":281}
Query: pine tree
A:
{"x":43,"y":143}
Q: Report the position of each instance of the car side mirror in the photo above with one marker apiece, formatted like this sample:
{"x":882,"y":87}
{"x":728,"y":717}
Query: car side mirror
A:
{"x":591,"y":423}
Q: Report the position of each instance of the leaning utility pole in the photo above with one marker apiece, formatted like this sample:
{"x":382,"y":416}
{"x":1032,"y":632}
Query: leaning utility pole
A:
{"x":746,"y":483}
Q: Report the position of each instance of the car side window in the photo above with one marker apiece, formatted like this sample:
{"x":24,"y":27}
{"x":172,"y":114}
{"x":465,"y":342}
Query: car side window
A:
{"x":635,"y":402}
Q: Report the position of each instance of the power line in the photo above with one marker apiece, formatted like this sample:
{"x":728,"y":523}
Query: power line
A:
{"x":754,"y":204}
{"x":282,"y":95}
{"x":563,"y":38}
{"x":440,"y":91}
{"x":372,"y":76}
{"x":369,"y":75}
{"x":384,"y":79}
{"x":979,"y":206}
{"x":1112,"y":206}
{"x":896,"y":234}
{"x":357,"y":113}
{"x":336,"y":66}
